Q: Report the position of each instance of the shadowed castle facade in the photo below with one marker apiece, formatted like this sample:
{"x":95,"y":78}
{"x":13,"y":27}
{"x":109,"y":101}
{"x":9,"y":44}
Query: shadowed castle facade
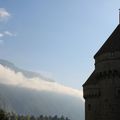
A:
{"x":102,"y":89}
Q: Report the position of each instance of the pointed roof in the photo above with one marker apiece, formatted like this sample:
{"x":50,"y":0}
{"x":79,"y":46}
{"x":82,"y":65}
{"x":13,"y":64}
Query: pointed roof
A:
{"x":91,"y":80}
{"x":112,"y":44}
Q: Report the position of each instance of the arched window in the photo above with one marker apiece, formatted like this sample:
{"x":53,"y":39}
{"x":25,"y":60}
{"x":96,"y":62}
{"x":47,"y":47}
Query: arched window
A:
{"x":89,"y":107}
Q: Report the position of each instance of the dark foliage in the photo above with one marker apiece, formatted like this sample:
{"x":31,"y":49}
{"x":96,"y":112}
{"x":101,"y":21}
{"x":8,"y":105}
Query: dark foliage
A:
{"x":12,"y":116}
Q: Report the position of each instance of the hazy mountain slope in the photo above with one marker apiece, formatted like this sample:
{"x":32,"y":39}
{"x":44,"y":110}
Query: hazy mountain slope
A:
{"x":26,"y":101}
{"x":37,"y":96}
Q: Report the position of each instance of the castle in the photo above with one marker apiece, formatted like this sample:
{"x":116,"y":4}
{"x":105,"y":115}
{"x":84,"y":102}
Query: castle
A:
{"x":102,"y":89}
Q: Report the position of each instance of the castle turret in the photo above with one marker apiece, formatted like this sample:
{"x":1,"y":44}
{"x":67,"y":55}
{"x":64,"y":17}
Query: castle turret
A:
{"x":102,"y":89}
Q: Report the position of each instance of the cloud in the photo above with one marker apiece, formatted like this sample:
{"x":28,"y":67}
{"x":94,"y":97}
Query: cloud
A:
{"x":9,"y":77}
{"x":1,"y":35}
{"x":8,"y":33}
{"x":4,"y":14}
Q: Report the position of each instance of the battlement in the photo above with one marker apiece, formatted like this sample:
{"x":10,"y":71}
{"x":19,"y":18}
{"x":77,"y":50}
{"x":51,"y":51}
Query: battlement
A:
{"x":91,"y":93}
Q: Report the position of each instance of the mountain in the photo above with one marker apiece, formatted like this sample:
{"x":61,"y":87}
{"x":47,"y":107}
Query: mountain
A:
{"x":25,"y":94}
{"x":28,"y":74}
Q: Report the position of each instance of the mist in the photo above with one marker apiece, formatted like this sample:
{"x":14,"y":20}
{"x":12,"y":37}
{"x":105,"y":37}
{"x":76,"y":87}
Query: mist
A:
{"x":35,"y":95}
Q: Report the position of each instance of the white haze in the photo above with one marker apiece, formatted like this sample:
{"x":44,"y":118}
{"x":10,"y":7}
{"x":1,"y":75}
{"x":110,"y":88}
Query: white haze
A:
{"x":10,"y":77}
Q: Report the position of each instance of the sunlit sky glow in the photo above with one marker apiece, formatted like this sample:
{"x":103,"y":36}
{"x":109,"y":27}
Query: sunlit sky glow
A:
{"x":57,"y":38}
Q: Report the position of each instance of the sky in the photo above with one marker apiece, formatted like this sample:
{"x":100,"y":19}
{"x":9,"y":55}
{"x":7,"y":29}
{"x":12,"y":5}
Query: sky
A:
{"x":57,"y":38}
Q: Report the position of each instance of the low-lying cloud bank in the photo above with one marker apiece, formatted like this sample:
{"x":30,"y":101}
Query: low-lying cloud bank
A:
{"x":10,"y":77}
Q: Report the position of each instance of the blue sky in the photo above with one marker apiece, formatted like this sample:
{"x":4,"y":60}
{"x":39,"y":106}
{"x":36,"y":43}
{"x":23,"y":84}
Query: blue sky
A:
{"x":57,"y":38}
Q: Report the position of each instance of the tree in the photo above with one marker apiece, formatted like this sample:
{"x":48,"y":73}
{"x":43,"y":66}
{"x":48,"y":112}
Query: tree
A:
{"x":3,"y":115}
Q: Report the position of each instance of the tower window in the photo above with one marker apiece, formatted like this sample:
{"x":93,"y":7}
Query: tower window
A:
{"x":89,"y":107}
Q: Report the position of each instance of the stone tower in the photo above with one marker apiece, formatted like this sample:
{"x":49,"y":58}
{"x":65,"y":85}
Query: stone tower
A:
{"x":102,"y":89}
